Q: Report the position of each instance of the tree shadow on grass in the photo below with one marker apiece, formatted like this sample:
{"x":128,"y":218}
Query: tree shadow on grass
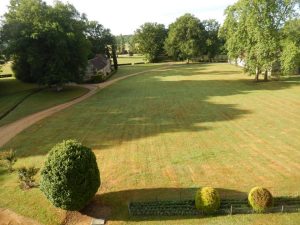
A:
{"x":114,"y":205}
{"x":145,"y":106}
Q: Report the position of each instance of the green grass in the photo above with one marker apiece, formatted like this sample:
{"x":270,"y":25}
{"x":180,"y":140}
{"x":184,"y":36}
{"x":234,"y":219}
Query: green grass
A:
{"x":126,"y":70}
{"x":13,"y":91}
{"x":6,"y":68}
{"x":123,"y":59}
{"x":163,"y":134}
{"x":42,"y":100}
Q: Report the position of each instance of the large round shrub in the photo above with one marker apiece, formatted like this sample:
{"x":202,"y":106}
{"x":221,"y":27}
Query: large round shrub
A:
{"x":207,"y":199}
{"x":70,"y":177}
{"x":260,"y":199}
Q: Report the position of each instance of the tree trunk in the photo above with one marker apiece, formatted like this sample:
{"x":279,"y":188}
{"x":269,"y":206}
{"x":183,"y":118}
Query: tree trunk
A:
{"x":107,"y":52}
{"x":114,"y":56}
{"x":266,"y":75}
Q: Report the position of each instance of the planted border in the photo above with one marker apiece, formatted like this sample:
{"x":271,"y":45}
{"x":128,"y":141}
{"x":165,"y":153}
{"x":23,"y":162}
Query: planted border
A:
{"x":187,"y":207}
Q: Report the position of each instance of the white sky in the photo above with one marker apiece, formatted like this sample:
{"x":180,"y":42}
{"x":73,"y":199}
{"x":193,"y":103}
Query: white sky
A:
{"x":125,"y":16}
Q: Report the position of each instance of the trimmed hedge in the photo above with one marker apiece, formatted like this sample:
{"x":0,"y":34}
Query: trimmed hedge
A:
{"x":260,"y":199}
{"x":207,"y":199}
{"x":70,"y":177}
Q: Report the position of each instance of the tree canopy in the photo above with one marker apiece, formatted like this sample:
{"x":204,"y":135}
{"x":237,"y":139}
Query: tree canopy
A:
{"x":124,"y":41}
{"x":101,"y":41}
{"x":213,"y":44}
{"x":290,"y":58}
{"x":47,"y":44}
{"x":150,"y":39}
{"x":50,"y":45}
{"x":252,"y":32}
{"x":100,"y":38}
{"x":186,"y":38}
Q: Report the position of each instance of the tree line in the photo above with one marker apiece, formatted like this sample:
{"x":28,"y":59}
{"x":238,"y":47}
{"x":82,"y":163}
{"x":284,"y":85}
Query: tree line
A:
{"x":264,"y":34}
{"x":186,"y":38}
{"x":50,"y":45}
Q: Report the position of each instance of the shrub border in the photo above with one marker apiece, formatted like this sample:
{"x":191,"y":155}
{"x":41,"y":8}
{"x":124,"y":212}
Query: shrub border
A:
{"x":228,"y":207}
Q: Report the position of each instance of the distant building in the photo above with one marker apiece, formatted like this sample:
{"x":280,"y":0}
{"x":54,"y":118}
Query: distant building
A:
{"x":98,"y":66}
{"x":239,"y":62}
{"x":276,"y":69}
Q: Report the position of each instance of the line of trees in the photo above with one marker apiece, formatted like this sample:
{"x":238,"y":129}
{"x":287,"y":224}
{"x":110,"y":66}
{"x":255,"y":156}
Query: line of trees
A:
{"x":50,"y":45}
{"x":125,"y":44}
{"x":186,"y":38}
{"x":263,"y":34}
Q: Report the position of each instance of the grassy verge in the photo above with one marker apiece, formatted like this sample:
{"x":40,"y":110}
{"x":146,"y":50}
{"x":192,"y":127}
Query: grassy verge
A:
{"x":163,"y":134}
{"x":6,"y":68}
{"x":12,"y":91}
{"x":126,"y":70}
{"x":39,"y":101}
{"x":124,"y":59}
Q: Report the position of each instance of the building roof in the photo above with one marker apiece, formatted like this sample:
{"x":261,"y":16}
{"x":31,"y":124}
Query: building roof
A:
{"x":99,"y":62}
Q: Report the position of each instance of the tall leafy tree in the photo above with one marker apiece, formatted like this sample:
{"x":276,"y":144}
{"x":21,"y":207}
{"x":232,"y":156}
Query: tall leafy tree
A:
{"x":125,"y":44}
{"x":186,"y":38}
{"x":47,"y":44}
{"x":213,"y":44}
{"x":120,"y":44}
{"x":131,"y":46}
{"x":252,"y":32}
{"x":150,"y":39}
{"x":101,"y":40}
{"x":290,"y":57}
{"x":99,"y":37}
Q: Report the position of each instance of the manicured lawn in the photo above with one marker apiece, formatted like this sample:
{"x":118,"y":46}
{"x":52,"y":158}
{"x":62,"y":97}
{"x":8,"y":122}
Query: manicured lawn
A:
{"x":9,"y":86}
{"x":6,"y":69}
{"x":163,"y":134}
{"x":13,"y":91}
{"x":123,"y":59}
{"x":130,"y":69}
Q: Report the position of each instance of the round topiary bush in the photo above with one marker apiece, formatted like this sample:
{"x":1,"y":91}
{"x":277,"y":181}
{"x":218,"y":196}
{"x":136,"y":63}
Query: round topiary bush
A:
{"x":207,"y":199}
{"x":260,"y":199}
{"x":70,"y":177}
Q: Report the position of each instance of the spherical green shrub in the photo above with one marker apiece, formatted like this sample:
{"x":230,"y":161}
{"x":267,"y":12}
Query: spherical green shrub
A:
{"x":260,"y":199}
{"x":70,"y":177}
{"x":207,"y":199}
